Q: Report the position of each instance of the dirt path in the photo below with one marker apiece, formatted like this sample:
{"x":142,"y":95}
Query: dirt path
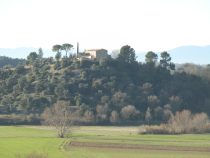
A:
{"x":136,"y":146}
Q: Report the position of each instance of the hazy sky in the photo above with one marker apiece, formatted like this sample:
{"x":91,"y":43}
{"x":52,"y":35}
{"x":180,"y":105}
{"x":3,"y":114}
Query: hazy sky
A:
{"x":144,"y":24}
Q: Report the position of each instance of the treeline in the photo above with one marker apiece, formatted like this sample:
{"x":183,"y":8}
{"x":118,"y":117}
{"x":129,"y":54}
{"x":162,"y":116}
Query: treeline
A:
{"x":10,"y":62}
{"x":119,"y":90}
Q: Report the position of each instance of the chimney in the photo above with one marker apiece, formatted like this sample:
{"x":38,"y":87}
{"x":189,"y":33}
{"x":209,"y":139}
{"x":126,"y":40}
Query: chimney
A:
{"x":77,"y":48}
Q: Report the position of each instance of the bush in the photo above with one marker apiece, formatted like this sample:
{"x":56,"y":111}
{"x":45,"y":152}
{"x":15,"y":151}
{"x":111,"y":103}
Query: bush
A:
{"x":182,"y":123}
{"x":161,"y":129}
{"x":186,"y":122}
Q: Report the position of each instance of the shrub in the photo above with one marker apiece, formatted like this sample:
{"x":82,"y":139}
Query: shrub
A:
{"x":182,"y":123}
{"x":186,"y":122}
{"x":161,"y":129}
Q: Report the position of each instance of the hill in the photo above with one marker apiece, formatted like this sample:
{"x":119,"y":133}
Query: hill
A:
{"x":108,"y":91}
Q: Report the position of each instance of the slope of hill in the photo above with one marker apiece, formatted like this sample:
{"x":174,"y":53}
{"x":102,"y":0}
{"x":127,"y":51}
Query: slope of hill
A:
{"x":109,"y":91}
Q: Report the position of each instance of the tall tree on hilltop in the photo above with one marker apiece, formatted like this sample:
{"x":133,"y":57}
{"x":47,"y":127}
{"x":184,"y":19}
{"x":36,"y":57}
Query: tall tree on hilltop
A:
{"x":127,"y":54}
{"x":40,"y":53}
{"x":56,"y":48}
{"x":165,"y":61}
{"x":32,"y":57}
{"x":151,"y":57}
{"x":58,"y":56}
{"x":67,"y":47}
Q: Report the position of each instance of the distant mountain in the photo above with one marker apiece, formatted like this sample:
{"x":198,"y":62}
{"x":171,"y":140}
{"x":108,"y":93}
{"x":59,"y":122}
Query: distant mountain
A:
{"x":186,"y":54}
{"x":22,"y":52}
{"x":191,"y":54}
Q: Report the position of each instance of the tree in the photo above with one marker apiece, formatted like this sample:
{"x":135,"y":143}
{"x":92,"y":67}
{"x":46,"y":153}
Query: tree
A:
{"x":58,"y":56}
{"x":175,"y":103}
{"x":119,"y":99}
{"x":153,"y":100}
{"x":129,"y":112}
{"x":114,"y":118}
{"x":102,"y":112}
{"x":127,"y":54}
{"x":148,"y":115}
{"x":66,"y":47}
{"x":165,"y":61}
{"x":58,"y":116}
{"x":40,"y":53}
{"x":20,"y":69}
{"x":158,"y":113}
{"x":32,"y":57}
{"x":151,"y":57}
{"x":56,"y":48}
{"x":147,"y":88}
{"x":89,"y":116}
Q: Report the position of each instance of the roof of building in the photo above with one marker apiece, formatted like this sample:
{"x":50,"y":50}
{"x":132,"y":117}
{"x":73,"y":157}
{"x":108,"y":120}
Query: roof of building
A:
{"x":95,"y":49}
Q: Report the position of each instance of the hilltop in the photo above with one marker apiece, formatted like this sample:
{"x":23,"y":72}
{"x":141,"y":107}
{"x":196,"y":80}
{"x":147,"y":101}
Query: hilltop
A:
{"x":180,"y":55}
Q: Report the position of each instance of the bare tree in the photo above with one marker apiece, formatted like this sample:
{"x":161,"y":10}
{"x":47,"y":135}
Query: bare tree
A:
{"x":58,"y":116}
{"x":148,"y":115}
{"x":89,"y":116}
{"x":183,"y":122}
{"x":153,"y":100}
{"x":129,"y":112}
{"x":119,"y":99}
{"x":102,"y":112}
{"x":114,"y":118}
{"x":186,"y":122}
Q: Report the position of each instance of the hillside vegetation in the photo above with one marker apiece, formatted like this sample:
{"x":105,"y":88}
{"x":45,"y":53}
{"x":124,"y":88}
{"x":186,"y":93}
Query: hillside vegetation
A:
{"x":119,"y":90}
{"x":10,"y":62}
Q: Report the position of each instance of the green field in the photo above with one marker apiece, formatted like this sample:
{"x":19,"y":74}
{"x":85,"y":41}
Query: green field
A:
{"x":100,"y":142}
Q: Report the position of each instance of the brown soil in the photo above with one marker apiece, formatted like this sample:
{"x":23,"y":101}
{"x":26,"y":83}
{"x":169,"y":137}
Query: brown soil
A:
{"x":136,"y":146}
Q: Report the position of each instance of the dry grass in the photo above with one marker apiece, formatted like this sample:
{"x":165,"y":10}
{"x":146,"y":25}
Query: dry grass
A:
{"x":33,"y":155}
{"x":183,"y":122}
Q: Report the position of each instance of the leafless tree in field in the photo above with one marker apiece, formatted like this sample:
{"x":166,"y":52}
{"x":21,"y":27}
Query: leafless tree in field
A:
{"x":58,"y":116}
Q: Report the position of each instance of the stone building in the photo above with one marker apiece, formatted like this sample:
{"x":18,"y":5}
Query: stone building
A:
{"x":92,"y":54}
{"x":97,"y":53}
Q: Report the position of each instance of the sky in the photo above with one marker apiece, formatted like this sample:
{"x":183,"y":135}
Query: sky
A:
{"x":145,"y":25}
